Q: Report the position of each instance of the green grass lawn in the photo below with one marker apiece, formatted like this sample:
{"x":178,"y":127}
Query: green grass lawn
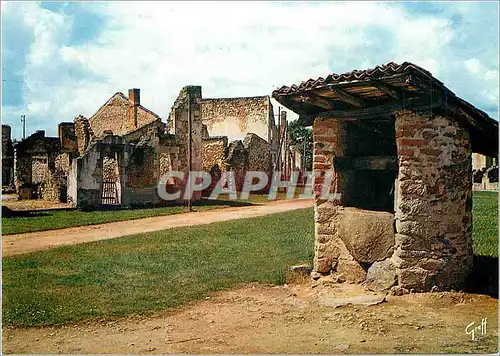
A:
{"x":485,"y":223}
{"x":143,"y":273}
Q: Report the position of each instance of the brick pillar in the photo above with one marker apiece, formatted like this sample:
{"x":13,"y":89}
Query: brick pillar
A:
{"x":433,"y":202}
{"x":330,"y":250}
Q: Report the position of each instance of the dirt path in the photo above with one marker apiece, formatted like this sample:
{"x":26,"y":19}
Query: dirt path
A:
{"x":35,"y":241}
{"x":299,"y":318}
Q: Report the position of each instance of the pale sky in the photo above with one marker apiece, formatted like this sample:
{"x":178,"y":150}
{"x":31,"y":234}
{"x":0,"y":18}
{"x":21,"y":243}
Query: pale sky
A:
{"x":62,"y":59}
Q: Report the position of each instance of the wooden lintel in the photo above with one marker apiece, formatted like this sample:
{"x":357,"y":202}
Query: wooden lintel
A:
{"x":366,"y":163}
{"x":348,"y":98}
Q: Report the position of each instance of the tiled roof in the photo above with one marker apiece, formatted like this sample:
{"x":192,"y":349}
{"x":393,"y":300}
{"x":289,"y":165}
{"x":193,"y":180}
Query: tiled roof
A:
{"x":384,"y":70}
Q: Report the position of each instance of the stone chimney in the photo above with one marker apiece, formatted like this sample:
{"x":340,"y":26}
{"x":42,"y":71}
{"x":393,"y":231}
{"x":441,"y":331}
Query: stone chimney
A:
{"x":134,"y":100}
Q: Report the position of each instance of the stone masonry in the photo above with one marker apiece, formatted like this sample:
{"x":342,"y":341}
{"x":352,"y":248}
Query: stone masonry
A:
{"x":434,"y":202}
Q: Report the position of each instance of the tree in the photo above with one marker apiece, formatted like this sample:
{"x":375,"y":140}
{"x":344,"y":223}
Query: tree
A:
{"x":300,"y":140}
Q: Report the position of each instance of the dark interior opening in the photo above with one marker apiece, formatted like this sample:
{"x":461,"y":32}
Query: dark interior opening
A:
{"x":370,"y":145}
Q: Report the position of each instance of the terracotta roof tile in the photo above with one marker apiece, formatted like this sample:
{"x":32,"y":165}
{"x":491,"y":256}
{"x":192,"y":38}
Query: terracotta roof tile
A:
{"x":384,"y":70}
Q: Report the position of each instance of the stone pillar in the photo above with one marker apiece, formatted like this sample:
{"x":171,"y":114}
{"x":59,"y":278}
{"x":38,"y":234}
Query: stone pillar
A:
{"x":330,"y":250}
{"x":188,"y":107}
{"x":433,"y":202}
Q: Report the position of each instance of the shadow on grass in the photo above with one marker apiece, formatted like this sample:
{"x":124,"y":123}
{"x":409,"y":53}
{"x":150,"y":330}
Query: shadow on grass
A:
{"x":10,"y":213}
{"x":484,"y":276}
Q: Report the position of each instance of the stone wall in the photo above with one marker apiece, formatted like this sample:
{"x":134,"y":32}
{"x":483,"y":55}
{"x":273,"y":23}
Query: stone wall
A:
{"x":434,"y":202}
{"x":235,"y":117}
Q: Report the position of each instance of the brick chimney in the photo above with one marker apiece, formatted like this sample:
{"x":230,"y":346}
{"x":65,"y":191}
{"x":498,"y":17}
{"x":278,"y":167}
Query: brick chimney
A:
{"x":134,"y":100}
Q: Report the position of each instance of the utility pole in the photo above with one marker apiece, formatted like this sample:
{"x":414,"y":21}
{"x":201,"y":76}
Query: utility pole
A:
{"x":190,"y":138}
{"x":23,"y":121}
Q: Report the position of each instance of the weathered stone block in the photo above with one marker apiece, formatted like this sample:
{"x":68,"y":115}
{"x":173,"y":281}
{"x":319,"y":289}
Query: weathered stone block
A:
{"x":368,"y":235}
{"x":381,"y":276}
{"x":351,"y":270}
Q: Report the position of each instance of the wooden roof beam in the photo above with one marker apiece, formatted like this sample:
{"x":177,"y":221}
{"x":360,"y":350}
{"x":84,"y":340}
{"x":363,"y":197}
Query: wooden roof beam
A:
{"x":348,"y":98}
{"x":317,"y":100}
{"x":389,"y":90}
{"x":414,"y":103}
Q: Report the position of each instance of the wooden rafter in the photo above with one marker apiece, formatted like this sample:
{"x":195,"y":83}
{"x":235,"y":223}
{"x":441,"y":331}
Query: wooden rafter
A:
{"x":317,"y":100}
{"x":348,"y":98}
{"x":389,"y":90}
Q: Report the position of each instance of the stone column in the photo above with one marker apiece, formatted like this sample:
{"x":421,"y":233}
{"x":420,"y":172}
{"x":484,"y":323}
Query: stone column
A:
{"x":433,"y":203}
{"x":188,"y":106}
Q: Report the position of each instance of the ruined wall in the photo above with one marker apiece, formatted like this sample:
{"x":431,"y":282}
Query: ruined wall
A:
{"x":259,"y":153}
{"x":434,"y":202}
{"x":237,"y":162}
{"x":214,"y":152}
{"x":67,"y":136}
{"x":39,"y":168}
{"x":235,"y":117}
{"x":83,"y":133}
{"x":187,"y":107}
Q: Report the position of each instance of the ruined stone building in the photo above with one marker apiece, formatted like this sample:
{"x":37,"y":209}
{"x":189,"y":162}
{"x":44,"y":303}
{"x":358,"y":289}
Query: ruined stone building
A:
{"x":398,"y":145}
{"x":7,"y":157}
{"x":114,"y":158}
{"x":239,"y":135}
{"x":117,"y":156}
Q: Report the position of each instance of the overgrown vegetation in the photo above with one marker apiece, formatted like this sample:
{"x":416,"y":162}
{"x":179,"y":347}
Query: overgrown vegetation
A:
{"x":143,"y":273}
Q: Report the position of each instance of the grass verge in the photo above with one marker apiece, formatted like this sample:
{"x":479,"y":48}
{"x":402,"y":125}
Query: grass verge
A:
{"x":143,"y":273}
{"x":485,"y":223}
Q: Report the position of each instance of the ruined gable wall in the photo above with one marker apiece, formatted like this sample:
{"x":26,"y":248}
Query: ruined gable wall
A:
{"x":115,"y":116}
{"x":434,"y":202}
{"x":259,"y":153}
{"x":235,"y":117}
